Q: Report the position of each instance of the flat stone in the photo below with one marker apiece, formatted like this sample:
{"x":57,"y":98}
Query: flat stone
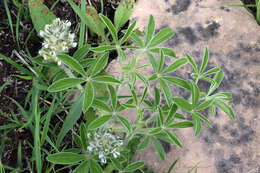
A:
{"x":233,"y":39}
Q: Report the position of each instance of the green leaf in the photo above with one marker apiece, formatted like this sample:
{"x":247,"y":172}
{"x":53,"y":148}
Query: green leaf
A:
{"x":94,"y":167}
{"x":101,"y":105}
{"x":183,"y":124}
{"x":77,"y":140}
{"x":125,"y":123}
{"x":171,"y":114}
{"x":224,"y":96}
{"x":203,"y":118}
{"x":161,"y":116}
{"x":89,"y":95}
{"x":225,"y":108}
{"x":100,"y":64}
{"x":90,"y":18}
{"x":111,"y":27}
{"x":166,"y":90}
{"x":192,"y":62}
{"x":157,"y":96}
{"x":218,"y":79}
{"x":72,"y":64}
{"x":155,"y":131}
{"x":159,"y":148}
{"x":134,"y":166}
{"x":136,"y":39}
{"x":160,"y":61}
{"x":40,"y":14}
{"x":162,"y":36}
{"x":205,"y":60}
{"x":211,"y":71}
{"x":167,"y":51}
{"x":99,"y":122}
{"x":175,"y":65}
{"x":174,"y":138}
{"x":197,"y":124}
{"x":172,"y":166}
{"x":152,"y":61}
{"x":178,"y":81}
{"x":106,"y":79}
{"x":143,"y":95}
{"x":212,"y":110}
{"x":195,"y":93}
{"x":150,"y":30}
{"x":82,"y":168}
{"x":63,"y":84}
{"x":65,"y":158}
{"x":183,"y":104}
{"x":204,"y":105}
{"x":144,"y":143}
{"x":122,"y":14}
{"x":113,"y":96}
{"x":71,"y":119}
{"x":134,"y":95}
{"x":103,"y":48}
{"x":128,"y":33}
{"x":81,"y":52}
{"x":116,"y":163}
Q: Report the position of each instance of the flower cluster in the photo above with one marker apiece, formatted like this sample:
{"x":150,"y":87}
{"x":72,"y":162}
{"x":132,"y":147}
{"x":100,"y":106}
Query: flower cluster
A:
{"x":104,"y":144}
{"x":57,"y":40}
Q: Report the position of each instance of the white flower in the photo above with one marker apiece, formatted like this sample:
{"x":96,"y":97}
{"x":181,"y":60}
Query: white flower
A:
{"x":104,"y":144}
{"x":57,"y":40}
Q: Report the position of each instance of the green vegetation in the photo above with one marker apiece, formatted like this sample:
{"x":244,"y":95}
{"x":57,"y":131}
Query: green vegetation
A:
{"x":103,"y":139}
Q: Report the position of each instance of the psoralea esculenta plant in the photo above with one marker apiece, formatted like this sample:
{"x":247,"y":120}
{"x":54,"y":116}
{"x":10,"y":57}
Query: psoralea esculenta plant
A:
{"x":105,"y":139}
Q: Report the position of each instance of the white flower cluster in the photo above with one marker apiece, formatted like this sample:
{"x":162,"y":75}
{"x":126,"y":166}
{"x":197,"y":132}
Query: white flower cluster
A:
{"x":57,"y":40}
{"x":104,"y":144}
